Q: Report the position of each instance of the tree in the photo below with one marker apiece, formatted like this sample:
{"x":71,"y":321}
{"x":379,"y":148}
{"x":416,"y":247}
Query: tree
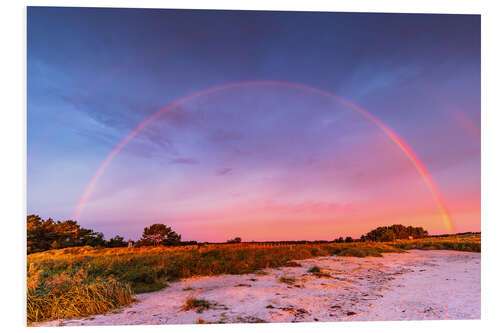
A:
{"x":234,"y":240}
{"x":116,"y":241}
{"x":157,"y":234}
{"x":349,"y":239}
{"x":396,"y":231}
{"x":48,"y":234}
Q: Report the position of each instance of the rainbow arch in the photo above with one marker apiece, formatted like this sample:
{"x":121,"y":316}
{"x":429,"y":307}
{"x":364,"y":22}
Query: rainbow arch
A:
{"x":390,"y":133}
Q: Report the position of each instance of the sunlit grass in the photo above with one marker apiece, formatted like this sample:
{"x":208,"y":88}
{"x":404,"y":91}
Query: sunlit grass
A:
{"x":457,"y":243}
{"x":63,"y":298}
{"x":199,"y":305}
{"x":287,"y":279}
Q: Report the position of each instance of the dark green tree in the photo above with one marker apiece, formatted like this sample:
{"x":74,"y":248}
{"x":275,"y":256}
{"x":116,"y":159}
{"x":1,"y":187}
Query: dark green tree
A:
{"x":235,"y":240}
{"x":157,"y":234}
{"x":47,"y":234}
{"x":116,"y":241}
{"x":396,"y":231}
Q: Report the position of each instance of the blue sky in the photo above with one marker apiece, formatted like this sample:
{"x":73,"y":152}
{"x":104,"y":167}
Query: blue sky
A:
{"x":235,"y":162}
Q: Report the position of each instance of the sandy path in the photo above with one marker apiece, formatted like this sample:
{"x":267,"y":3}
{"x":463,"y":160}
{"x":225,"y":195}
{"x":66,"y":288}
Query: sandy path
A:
{"x":413,"y":285}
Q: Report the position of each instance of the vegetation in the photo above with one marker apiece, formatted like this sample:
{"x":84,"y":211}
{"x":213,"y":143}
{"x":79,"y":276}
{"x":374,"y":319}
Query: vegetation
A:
{"x":396,"y":231}
{"x":287,"y":279}
{"x":292,"y":264}
{"x":72,"y":295}
{"x":48,"y":234}
{"x":157,"y":234}
{"x":314,"y":270}
{"x":318,"y":272}
{"x":465,"y":242}
{"x":234,"y":240}
{"x":196,"y":304}
{"x":84,"y":280}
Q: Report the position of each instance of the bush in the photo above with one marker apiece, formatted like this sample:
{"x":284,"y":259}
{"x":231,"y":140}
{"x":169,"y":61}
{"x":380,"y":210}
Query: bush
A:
{"x":68,"y":300}
{"x":234,"y":240}
{"x":396,"y":231}
{"x":287,"y":280}
{"x":292,"y":264}
{"x":314,"y":269}
{"x":196,"y":304}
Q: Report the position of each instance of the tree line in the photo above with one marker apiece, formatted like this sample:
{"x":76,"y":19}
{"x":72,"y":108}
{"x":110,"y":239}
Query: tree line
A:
{"x":43,"y":235}
{"x":387,"y":234}
{"x":48,"y":234}
{"x":395,"y":231}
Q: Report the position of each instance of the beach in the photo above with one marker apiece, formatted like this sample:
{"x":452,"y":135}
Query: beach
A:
{"x":415,"y":285}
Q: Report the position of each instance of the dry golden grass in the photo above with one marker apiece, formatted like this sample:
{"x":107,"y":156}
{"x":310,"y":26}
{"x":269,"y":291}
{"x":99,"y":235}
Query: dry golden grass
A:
{"x":199,"y":305}
{"x":469,"y":243}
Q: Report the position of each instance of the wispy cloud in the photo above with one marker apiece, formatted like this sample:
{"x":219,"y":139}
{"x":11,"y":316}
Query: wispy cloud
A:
{"x":223,"y":171}
{"x":185,"y":160}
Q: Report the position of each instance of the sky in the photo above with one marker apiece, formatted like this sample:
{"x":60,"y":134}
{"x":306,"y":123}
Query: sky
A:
{"x":258,"y":161}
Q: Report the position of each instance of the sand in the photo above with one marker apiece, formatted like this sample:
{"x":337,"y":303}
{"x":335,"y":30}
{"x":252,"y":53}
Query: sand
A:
{"x":399,"y":286}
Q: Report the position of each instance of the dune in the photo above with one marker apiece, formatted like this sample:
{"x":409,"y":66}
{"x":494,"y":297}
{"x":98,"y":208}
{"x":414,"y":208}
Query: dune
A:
{"x":415,"y":285}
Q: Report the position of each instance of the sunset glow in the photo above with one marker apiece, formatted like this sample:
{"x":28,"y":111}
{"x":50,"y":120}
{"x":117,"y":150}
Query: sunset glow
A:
{"x":394,"y":137}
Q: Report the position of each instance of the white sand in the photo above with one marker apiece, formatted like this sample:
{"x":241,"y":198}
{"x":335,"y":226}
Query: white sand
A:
{"x":409,"y":286}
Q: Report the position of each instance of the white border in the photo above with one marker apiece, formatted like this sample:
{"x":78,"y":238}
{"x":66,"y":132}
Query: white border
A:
{"x":13,"y":155}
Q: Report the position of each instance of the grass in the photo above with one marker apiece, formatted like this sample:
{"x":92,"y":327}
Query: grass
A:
{"x":469,"y":243}
{"x":82,"y":281}
{"x":314,"y":270}
{"x":318,"y":272}
{"x":292,"y":264}
{"x":69,"y":299}
{"x":287,"y":280}
{"x":199,"y":305}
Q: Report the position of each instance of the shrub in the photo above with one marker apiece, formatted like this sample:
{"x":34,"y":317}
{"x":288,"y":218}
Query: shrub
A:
{"x":287,"y":280}
{"x":196,"y":304}
{"x":67,"y":299}
{"x":292,"y":264}
{"x":314,"y":269}
{"x":234,"y":240}
{"x":395,"y":231}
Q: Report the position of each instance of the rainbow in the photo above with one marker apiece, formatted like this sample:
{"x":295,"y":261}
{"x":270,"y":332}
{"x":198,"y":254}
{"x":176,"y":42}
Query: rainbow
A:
{"x":391,"y":134}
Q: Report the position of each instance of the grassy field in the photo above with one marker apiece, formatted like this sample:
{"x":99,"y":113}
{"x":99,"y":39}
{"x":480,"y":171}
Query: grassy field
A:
{"x":470,"y":243}
{"x":82,"y":281}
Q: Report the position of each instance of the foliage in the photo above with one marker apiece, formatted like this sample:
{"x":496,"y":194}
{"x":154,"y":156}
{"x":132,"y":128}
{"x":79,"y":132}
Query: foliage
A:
{"x":234,"y":240}
{"x":287,"y":279}
{"x":314,"y":269}
{"x":157,"y":234}
{"x":116,"y":241}
{"x":467,"y":242}
{"x":366,"y":251}
{"x":292,"y":264}
{"x":72,"y":295}
{"x":43,"y":235}
{"x":396,"y":231}
{"x":196,"y":304}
